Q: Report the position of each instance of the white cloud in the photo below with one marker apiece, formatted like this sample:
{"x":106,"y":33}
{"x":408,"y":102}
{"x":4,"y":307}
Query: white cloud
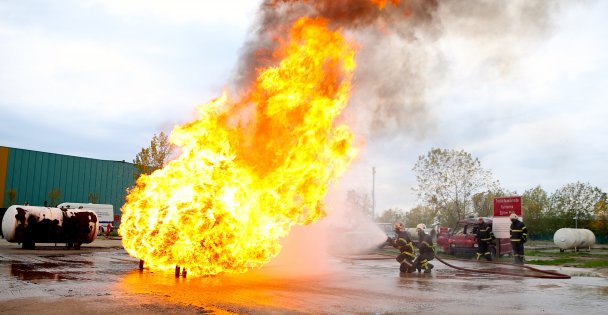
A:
{"x":49,"y":73}
{"x":239,"y":12}
{"x":59,"y":80}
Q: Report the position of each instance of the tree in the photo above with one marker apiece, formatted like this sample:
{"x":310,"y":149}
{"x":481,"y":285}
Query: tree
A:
{"x":447,"y":180}
{"x":420,"y":214}
{"x":360,"y":202}
{"x":155,"y":156}
{"x":54,"y":196}
{"x":391,"y":216}
{"x":600,"y":220}
{"x":12,"y":196}
{"x":574,"y":203}
{"x":535,"y":207}
{"x":93,"y":197}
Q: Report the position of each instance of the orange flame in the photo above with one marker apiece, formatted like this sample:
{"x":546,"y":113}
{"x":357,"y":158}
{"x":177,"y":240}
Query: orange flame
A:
{"x":382,"y":3}
{"x":249,"y":169}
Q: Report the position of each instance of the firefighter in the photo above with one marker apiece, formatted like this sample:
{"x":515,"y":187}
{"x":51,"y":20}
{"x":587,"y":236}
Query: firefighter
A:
{"x":519,"y":235}
{"x":484,"y":240}
{"x":426,"y":252}
{"x":403,"y":242}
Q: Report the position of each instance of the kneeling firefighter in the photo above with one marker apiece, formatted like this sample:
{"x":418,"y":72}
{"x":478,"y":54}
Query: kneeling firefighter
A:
{"x":426,"y":252}
{"x":403,"y":242}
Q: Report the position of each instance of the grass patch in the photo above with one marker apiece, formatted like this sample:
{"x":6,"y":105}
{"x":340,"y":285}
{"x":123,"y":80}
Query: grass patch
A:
{"x":544,"y":253}
{"x":553,"y":262}
{"x":595,"y":264}
{"x":539,"y":253}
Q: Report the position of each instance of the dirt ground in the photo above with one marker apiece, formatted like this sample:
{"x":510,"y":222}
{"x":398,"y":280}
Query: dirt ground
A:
{"x":102,"y":278}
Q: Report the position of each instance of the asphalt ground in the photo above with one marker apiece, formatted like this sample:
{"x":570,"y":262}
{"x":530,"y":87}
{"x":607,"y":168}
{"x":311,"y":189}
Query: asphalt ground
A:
{"x":102,"y":278}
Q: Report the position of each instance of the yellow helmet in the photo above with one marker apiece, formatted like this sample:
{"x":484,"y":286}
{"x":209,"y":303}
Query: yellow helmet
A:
{"x":421,"y":226}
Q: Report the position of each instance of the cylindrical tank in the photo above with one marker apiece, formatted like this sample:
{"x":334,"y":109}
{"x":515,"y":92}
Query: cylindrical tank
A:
{"x":29,"y":225}
{"x":414,"y":233}
{"x":567,"y":238}
{"x":588,"y":238}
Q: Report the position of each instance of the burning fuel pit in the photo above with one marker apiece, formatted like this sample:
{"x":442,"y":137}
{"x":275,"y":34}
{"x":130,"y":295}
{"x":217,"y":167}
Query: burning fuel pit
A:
{"x":103,"y":278}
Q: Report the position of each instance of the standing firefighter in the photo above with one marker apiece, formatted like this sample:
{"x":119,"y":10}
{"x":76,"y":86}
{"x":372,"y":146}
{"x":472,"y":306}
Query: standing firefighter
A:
{"x":484,"y":240}
{"x":519,"y":235}
{"x":403,"y":242}
{"x":426,"y":252}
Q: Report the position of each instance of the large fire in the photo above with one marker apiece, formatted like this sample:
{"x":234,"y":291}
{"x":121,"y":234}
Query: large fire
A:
{"x":249,"y":168}
{"x":382,"y":3}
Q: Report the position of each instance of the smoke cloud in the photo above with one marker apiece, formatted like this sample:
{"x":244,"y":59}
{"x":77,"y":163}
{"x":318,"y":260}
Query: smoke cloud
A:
{"x":403,"y":55}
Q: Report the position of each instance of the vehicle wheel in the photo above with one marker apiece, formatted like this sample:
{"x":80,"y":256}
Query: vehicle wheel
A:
{"x":28,"y":245}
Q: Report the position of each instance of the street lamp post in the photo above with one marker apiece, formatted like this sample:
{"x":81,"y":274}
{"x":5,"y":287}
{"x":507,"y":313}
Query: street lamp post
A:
{"x":373,"y":193}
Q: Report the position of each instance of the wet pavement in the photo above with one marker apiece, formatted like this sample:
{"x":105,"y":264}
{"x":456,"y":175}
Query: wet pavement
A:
{"x":102,"y":278}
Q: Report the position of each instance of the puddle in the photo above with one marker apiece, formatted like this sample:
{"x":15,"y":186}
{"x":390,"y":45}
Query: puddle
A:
{"x":46,"y":271}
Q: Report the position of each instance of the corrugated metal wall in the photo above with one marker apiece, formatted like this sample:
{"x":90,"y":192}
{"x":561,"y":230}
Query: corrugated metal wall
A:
{"x":33,"y":175}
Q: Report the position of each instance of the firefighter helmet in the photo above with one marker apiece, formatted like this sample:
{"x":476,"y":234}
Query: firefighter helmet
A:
{"x":513,"y":216}
{"x":421,"y":226}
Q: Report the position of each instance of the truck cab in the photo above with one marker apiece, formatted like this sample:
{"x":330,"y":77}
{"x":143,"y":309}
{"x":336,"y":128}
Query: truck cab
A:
{"x":461,"y":240}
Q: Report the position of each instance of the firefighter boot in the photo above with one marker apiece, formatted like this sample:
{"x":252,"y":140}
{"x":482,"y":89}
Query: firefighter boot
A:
{"x":417,"y":265}
{"x":428,"y":268}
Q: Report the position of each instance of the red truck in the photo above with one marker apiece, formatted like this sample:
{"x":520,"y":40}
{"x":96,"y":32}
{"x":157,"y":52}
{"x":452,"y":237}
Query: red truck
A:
{"x":461,"y":241}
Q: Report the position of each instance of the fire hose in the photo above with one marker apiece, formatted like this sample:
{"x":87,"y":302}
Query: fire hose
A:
{"x":546,"y":274}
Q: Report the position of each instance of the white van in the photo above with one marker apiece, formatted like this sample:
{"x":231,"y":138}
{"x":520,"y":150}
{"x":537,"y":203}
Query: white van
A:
{"x":105,"y":213}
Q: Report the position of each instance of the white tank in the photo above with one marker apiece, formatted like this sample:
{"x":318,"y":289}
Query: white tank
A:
{"x":588,"y":238}
{"x":567,"y":238}
{"x":30,"y":225}
{"x":414,"y":233}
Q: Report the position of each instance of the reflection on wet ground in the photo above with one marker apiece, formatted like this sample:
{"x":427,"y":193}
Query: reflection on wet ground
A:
{"x":36,"y":272}
{"x":112,"y":278}
{"x":374,"y":287}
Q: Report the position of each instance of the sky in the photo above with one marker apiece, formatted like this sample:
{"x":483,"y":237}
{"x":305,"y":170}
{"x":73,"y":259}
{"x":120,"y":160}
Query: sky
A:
{"x":99,"y":78}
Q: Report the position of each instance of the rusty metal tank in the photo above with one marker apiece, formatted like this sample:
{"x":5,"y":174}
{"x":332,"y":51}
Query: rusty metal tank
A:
{"x":567,"y":238}
{"x":29,"y":225}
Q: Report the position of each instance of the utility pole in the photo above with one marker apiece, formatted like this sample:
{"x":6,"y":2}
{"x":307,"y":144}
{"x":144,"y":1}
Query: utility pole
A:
{"x":373,"y":193}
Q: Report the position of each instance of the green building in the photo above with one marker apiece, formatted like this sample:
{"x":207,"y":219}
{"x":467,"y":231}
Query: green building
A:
{"x":41,"y":178}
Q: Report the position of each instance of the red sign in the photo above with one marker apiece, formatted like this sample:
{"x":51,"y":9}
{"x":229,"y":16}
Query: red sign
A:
{"x":504,"y":206}
{"x":116,"y":218}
